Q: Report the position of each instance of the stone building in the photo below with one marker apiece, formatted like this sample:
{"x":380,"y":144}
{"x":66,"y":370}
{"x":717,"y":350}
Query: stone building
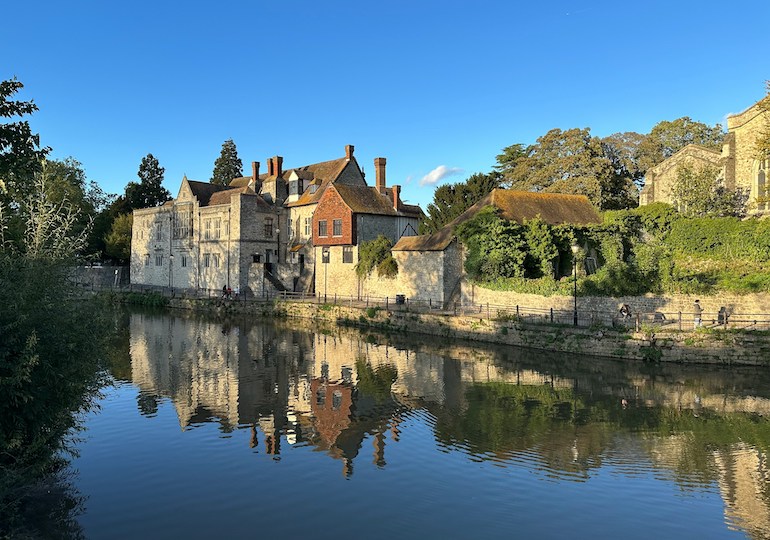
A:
{"x":261,"y":233}
{"x":739,"y":164}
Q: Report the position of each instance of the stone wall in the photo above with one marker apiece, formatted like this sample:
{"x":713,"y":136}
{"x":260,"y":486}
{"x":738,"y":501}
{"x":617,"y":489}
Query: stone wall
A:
{"x":750,"y":304}
{"x":726,"y":348}
{"x":663,"y":176}
{"x":747,"y":127}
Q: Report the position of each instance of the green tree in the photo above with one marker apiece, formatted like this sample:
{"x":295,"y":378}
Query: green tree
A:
{"x":763,"y":141}
{"x":118,"y":241}
{"x":451,"y":200}
{"x":668,"y":137}
{"x":20,"y":150}
{"x":574,"y":162}
{"x":376,"y":254}
{"x":622,"y":149}
{"x":228,"y":165}
{"x":509,"y":158}
{"x":496,"y":248}
{"x":49,"y":351}
{"x":149,"y":191}
{"x":699,"y":192}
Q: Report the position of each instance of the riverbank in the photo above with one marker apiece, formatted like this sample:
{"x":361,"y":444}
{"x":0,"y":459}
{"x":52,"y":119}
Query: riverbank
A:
{"x":706,"y":346}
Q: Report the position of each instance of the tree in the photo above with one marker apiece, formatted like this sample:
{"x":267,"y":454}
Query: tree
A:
{"x":699,"y":192}
{"x":507,"y":160}
{"x":118,"y":241}
{"x":622,"y":149}
{"x":451,"y":200}
{"x":763,"y":141}
{"x":228,"y":165}
{"x":666,"y":138}
{"x":20,"y":151}
{"x":574,"y":162}
{"x":149,"y":191}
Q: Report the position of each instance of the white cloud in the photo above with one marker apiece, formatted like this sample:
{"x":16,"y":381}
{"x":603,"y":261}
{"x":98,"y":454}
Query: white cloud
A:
{"x":438,"y":174}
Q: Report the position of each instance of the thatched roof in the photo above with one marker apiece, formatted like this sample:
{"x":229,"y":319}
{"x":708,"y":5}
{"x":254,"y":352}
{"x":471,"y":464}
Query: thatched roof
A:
{"x":518,"y":206}
{"x":521,"y":206}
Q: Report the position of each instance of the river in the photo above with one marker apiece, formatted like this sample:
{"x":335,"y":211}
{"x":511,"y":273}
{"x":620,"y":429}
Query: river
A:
{"x":247,"y":429}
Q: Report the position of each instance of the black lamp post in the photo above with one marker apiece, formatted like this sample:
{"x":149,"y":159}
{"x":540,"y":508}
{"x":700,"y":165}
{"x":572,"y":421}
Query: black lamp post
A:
{"x":575,"y":249}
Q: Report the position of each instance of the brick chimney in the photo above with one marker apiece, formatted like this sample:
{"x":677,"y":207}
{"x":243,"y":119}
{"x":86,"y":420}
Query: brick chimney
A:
{"x":255,"y":171}
{"x":270,"y":167}
{"x":396,"y":191}
{"x":349,"y":151}
{"x":278,"y":167}
{"x":379,"y":171}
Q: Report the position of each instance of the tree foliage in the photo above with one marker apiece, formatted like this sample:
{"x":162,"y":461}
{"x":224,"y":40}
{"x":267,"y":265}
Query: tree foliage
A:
{"x":376,"y":254}
{"x":20,"y":150}
{"x":698,"y":191}
{"x":572,"y":162}
{"x":451,"y":200}
{"x":763,"y":141}
{"x":118,"y":240}
{"x":149,"y":191}
{"x":228,"y":165}
{"x":668,"y":137}
{"x":50,"y":346}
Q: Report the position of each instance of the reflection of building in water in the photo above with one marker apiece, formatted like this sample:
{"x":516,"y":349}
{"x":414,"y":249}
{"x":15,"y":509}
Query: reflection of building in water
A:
{"x":744,"y":481}
{"x":347,"y":396}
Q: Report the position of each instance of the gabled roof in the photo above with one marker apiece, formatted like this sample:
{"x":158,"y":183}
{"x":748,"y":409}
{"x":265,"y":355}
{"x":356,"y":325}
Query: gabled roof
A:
{"x":368,"y":200}
{"x":324,"y":174}
{"x":223,"y":197}
{"x":204,"y":190}
{"x":697,"y":151}
{"x":240,"y":182}
{"x":518,"y":206}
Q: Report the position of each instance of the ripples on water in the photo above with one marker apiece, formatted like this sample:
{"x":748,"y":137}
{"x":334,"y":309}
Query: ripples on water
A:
{"x":253,"y":429}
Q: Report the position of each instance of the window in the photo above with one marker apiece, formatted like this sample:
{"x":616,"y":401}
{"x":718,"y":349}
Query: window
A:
{"x":158,"y":260}
{"x":268,"y":227}
{"x":159,"y":232}
{"x":182,"y":224}
{"x":347,"y":254}
{"x":336,"y":400}
{"x":308,"y":222}
{"x":206,"y":260}
{"x":215,"y":260}
{"x":763,"y":190}
{"x":320,"y":397}
{"x":322,"y":228}
{"x":207,"y":229}
{"x":337,"y":227}
{"x":184,"y":261}
{"x":255,"y":257}
{"x":217,"y":228}
{"x":291,"y":226}
{"x":227,"y":229}
{"x":147,"y":260}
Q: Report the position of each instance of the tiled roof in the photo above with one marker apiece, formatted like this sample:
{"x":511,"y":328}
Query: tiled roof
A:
{"x":223,"y":197}
{"x":240,"y":182}
{"x":323,"y":174}
{"x":204,"y":190}
{"x":367,"y":200}
{"x":437,"y":241}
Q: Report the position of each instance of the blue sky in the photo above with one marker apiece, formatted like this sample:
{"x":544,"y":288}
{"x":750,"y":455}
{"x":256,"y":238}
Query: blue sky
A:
{"x":438,"y":88}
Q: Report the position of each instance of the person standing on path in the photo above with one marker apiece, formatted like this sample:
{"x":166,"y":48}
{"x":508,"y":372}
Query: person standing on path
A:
{"x":697,"y":313}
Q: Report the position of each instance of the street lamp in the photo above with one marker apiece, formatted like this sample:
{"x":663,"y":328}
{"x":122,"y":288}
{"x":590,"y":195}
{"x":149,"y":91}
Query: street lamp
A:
{"x":575,"y":248}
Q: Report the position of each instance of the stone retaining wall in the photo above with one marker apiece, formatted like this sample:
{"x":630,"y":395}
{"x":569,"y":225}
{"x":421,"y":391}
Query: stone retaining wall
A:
{"x":708,"y":347}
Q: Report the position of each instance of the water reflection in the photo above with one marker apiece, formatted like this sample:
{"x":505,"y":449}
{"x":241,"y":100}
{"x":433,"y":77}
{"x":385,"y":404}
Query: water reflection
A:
{"x":349,"y":395}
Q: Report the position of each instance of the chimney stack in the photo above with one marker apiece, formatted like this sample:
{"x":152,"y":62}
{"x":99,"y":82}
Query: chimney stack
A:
{"x":349,"y":151}
{"x":278,"y":165}
{"x":270,"y":167}
{"x":379,"y":171}
{"x":255,"y":171}
{"x":396,"y":198}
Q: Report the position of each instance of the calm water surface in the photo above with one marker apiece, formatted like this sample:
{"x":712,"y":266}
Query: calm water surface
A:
{"x":258,"y":430}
